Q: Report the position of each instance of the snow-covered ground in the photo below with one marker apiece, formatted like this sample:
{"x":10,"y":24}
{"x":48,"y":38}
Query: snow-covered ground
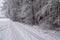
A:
{"x":10,"y":30}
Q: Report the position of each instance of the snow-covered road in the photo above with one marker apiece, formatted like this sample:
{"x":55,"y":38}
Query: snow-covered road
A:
{"x":10,"y":30}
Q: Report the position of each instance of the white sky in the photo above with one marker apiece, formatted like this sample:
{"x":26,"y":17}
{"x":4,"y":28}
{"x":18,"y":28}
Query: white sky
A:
{"x":1,"y":14}
{"x":1,"y":2}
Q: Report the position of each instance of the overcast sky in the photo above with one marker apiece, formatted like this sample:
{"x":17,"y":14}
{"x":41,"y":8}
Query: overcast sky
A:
{"x":1,"y":4}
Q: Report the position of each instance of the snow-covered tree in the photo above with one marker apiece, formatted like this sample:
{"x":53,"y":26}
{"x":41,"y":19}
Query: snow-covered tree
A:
{"x":34,"y":11}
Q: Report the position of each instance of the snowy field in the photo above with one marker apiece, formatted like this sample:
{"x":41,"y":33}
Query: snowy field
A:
{"x":10,"y":30}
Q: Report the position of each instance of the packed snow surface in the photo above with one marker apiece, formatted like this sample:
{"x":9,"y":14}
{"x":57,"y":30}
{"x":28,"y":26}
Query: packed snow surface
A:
{"x":10,"y":30}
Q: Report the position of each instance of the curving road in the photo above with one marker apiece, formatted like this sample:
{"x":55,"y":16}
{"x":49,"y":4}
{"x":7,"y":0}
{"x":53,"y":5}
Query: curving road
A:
{"x":10,"y":30}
